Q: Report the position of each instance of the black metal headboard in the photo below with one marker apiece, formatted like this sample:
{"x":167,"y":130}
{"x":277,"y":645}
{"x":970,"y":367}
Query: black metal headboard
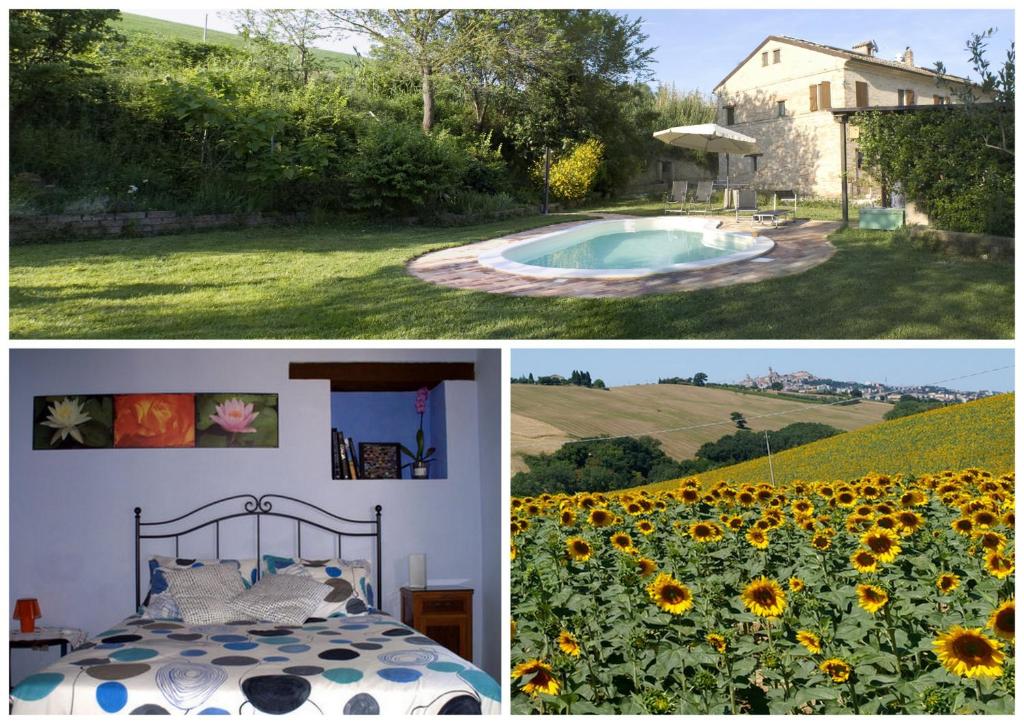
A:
{"x":258,"y":507}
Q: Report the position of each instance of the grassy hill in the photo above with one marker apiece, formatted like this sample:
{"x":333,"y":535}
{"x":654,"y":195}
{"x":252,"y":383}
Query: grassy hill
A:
{"x":132,"y":24}
{"x":544,"y":418}
{"x":974,"y":434}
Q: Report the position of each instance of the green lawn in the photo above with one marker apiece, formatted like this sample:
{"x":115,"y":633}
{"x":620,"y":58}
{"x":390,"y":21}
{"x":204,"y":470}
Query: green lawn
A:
{"x":349,"y":281}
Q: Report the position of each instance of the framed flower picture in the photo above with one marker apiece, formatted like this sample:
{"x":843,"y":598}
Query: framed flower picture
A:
{"x":236,"y":420}
{"x":155,"y":420}
{"x":67,"y":422}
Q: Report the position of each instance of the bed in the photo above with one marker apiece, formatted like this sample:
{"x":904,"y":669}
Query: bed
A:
{"x":367,"y":663}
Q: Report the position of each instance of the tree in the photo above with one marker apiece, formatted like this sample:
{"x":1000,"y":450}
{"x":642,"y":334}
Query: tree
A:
{"x":297,"y":29}
{"x":51,"y":51}
{"x":739,"y":419}
{"x":777,"y":386}
{"x":700,"y":379}
{"x":429,"y":41}
{"x":1000,"y":85}
{"x":599,"y":384}
{"x":856,"y":393}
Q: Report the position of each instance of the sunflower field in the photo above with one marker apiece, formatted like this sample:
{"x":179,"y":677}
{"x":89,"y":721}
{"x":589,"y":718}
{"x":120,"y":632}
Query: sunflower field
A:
{"x":877,"y":595}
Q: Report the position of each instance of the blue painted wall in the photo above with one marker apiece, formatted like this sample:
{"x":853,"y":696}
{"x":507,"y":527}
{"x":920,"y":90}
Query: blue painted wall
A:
{"x":391,"y":417}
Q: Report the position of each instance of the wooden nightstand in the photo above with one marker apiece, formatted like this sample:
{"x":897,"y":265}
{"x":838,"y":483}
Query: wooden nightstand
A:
{"x":443,"y":613}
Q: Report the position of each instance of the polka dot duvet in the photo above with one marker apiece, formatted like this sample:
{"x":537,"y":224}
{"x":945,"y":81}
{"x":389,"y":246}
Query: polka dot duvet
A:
{"x":352,"y":665}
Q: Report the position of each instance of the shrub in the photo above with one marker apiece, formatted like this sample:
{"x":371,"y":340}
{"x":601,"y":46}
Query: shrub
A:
{"x":399,"y":169}
{"x":573,"y":175}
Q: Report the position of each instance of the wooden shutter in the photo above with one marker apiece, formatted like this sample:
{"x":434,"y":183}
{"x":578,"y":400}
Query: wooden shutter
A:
{"x":862,"y":94}
{"x":910,"y":98}
{"x":826,"y":95}
{"x":936,"y":100}
{"x":814,"y":98}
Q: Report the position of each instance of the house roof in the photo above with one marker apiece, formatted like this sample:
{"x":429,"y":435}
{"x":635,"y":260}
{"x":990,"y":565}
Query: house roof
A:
{"x":841,"y":53}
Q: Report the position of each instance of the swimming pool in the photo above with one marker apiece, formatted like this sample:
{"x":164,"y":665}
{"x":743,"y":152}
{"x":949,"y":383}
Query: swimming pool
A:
{"x":627,"y":248}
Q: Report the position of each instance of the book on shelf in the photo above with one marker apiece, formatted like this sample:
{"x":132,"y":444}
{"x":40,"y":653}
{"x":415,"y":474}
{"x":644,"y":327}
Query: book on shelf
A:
{"x":339,"y":446}
{"x":335,"y":456}
{"x":353,"y":467}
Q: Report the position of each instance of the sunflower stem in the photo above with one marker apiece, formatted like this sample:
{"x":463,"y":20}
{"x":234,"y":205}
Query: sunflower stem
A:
{"x":853,"y":696}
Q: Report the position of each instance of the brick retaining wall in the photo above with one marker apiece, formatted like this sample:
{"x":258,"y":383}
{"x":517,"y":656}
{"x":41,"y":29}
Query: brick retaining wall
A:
{"x":68,"y":227}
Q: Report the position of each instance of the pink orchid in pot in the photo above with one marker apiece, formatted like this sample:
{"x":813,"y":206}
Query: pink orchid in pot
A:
{"x":235,"y":417}
{"x":422,"y":456}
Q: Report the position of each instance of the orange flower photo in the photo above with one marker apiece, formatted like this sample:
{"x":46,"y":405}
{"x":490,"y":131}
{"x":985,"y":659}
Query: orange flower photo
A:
{"x":162,"y":420}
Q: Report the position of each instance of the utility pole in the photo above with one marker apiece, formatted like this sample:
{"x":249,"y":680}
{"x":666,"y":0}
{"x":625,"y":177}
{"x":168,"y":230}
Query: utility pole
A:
{"x":771,"y":470}
{"x":206,"y":22}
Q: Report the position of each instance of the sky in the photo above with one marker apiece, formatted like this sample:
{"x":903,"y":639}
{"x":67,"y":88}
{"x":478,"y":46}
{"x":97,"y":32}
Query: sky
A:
{"x":892,"y":366}
{"x":697,"y":48}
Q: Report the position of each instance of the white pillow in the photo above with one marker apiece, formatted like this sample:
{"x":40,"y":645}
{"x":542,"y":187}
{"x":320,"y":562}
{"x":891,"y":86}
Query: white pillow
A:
{"x":204,"y":594}
{"x":284,"y":599}
{"x":350,"y":593}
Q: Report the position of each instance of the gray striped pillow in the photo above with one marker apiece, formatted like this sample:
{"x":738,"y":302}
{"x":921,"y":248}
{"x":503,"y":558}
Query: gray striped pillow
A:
{"x":281,"y":599}
{"x":204,"y":594}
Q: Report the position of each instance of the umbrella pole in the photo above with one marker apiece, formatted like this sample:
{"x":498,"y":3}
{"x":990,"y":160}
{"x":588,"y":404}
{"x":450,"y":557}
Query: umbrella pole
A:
{"x":547,"y":177}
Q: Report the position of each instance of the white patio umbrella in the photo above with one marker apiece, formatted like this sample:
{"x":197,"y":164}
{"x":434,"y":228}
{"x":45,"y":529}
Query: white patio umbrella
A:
{"x":709,"y":138}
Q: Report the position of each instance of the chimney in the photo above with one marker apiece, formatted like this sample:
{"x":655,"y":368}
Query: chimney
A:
{"x":866,"y":47}
{"x":908,"y":56}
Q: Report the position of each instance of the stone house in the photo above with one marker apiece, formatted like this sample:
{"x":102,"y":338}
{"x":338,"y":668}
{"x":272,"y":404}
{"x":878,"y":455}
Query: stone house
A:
{"x":783,"y":94}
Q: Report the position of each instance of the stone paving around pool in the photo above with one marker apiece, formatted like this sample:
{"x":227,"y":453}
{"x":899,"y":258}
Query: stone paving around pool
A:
{"x":799,"y":246}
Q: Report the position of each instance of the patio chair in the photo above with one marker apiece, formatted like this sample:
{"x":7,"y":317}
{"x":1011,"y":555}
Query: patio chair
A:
{"x":785,"y":196}
{"x":702,"y":198}
{"x":675,"y":201}
{"x":746,"y":203}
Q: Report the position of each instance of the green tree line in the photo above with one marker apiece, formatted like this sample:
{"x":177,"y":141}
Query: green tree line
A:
{"x":452,"y":111}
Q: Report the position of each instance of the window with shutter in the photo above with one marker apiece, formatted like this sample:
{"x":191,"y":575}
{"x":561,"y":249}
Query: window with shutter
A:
{"x":814,"y":98}
{"x":781,"y":107}
{"x":862,"y":94}
{"x":901,"y":97}
{"x":910,"y":98}
{"x":764,"y":58}
{"x":825,"y":102}
{"x":776,"y":56}
{"x":936,"y":100}
{"x":730,"y":115}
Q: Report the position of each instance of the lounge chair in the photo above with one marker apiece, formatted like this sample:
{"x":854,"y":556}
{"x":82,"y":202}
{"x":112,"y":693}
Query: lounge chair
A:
{"x":746,"y":203}
{"x":702,"y":198}
{"x":675,"y":201}
{"x":778,"y":214}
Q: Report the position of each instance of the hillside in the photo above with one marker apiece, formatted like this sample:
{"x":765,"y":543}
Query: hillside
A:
{"x":974,"y":434}
{"x":544,"y":418}
{"x":129,"y":24}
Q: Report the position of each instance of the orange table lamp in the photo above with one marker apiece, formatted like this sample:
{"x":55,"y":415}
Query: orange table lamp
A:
{"x":26,"y":610}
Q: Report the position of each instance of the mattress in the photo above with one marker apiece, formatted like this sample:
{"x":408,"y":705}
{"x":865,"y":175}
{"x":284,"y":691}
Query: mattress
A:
{"x":368,"y":664}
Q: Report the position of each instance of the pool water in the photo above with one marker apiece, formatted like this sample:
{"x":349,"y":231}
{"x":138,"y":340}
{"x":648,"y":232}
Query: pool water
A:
{"x":655,"y":248}
{"x":626,"y":248}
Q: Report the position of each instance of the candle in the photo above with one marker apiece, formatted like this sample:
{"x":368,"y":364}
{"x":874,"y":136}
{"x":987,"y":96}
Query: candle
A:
{"x":417,"y":570}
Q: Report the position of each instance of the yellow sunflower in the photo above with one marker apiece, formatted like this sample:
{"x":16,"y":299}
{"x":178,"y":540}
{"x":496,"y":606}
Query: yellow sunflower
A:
{"x":705,"y":532}
{"x":963,"y":526}
{"x":984,"y":518}
{"x":998,"y":565}
{"x":512,"y":553}
{"x":645,"y":526}
{"x":568,"y":643}
{"x":1001,"y":620}
{"x":882,"y":543}
{"x":947,"y":582}
{"x":599,"y":517}
{"x":757,"y":538}
{"x":647,"y":566}
{"x":540,"y":682}
{"x":838,"y":669}
{"x":764,"y":597}
{"x":909,"y":522}
{"x":871,"y":598}
{"x":864,"y":561}
{"x":567,"y":517}
{"x":622,"y":541}
{"x":579,"y":549}
{"x":991,"y":541}
{"x":809,"y":640}
{"x":821,"y":541}
{"x":968,"y":652}
{"x":670,"y":594}
{"x":796,"y":584}
{"x":717,"y":642}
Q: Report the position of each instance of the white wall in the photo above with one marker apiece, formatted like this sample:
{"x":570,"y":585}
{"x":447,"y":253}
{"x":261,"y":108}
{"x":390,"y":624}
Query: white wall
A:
{"x":71,"y":521}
